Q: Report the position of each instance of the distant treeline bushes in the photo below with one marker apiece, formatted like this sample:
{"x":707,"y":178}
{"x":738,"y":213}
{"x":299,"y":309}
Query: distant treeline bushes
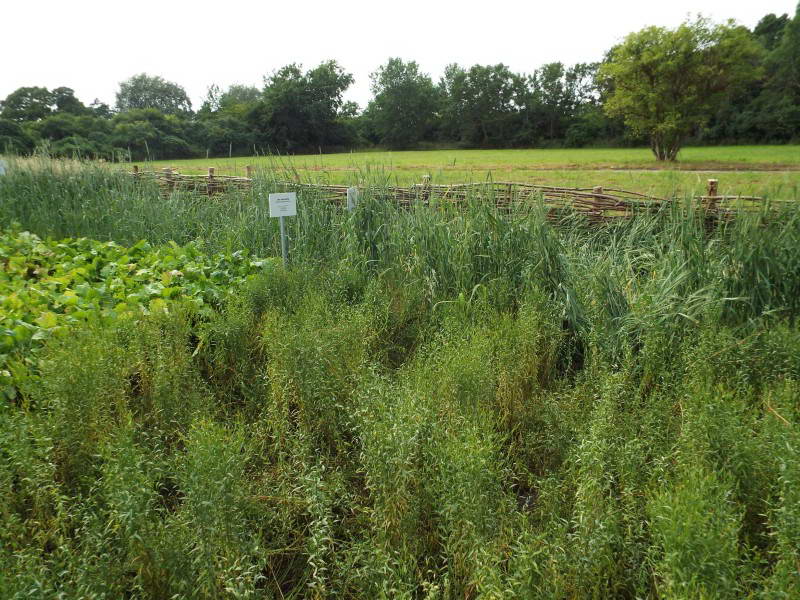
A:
{"x":480,"y":106}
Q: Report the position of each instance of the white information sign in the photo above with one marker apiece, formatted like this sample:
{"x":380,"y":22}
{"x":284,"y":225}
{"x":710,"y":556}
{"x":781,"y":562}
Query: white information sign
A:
{"x":283,"y":205}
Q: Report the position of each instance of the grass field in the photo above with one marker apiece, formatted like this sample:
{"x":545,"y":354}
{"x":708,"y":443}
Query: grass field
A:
{"x":428,"y":403}
{"x":772,"y":171}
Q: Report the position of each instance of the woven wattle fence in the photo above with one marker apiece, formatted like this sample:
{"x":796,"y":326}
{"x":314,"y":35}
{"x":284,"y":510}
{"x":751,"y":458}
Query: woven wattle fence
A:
{"x":596,"y":203}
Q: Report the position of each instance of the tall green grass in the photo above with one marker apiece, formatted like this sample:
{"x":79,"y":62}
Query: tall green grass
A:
{"x":430,"y":403}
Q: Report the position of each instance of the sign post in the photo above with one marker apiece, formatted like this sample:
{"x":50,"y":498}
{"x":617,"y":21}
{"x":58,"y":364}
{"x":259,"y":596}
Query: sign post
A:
{"x":281,"y":206}
{"x":284,"y":242}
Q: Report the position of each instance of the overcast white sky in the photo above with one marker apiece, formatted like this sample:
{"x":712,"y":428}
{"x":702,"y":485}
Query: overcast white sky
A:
{"x":92,"y":45}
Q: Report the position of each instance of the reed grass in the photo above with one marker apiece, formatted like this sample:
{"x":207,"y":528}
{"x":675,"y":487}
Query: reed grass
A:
{"x":429,"y":403}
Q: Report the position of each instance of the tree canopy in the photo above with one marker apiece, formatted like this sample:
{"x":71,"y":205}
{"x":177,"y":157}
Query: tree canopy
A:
{"x":35,"y":103}
{"x":405,"y":104}
{"x":666,"y":83}
{"x":698,"y":83}
{"x":148,"y":91}
{"x":484,"y":103}
{"x":300,"y":111}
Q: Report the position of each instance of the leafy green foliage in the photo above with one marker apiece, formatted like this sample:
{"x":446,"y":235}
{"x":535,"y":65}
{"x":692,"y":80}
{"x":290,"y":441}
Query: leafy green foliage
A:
{"x":667,"y":83}
{"x":431,"y":402}
{"x":769,"y":30}
{"x":149,"y":91}
{"x":13,"y":138}
{"x":719,"y":84}
{"x":301,"y":110}
{"x":34,"y":103}
{"x":48,"y":286}
{"x":404,"y":108}
{"x":482,"y":102}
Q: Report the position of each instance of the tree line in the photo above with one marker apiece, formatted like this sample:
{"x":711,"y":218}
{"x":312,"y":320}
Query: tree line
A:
{"x":700,"y":82}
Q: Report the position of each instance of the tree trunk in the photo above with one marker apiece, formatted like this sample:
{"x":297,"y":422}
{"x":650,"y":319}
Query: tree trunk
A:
{"x":665,"y":150}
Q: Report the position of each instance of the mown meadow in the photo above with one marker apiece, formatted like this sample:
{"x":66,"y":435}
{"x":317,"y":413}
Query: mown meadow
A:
{"x":428,"y":403}
{"x":772,"y":171}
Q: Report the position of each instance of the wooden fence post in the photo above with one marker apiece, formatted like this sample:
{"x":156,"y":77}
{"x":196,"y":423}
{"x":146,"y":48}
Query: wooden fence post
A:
{"x":136,"y":173}
{"x":248,"y":171}
{"x":711,"y":200}
{"x":210,"y":184}
{"x":713,"y":186}
{"x":426,"y":188}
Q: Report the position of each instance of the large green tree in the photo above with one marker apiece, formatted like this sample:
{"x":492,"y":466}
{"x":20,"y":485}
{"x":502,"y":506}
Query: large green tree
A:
{"x":147,"y":91}
{"x":484,"y":104}
{"x":780,"y":101}
{"x":151,"y":134}
{"x":769,"y":30}
{"x":239,"y":95}
{"x":13,"y":138}
{"x":222,"y":127}
{"x":27,"y":104}
{"x":404,"y":106}
{"x":301,"y":110}
{"x":667,"y":83}
{"x":237,"y":99}
{"x":34,"y":103}
{"x":557,"y":94}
